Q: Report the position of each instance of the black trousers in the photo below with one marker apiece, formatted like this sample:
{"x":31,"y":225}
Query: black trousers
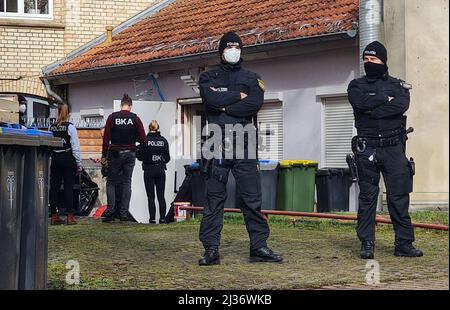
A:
{"x":397,"y":173}
{"x":155,"y":177}
{"x":119,"y":181}
{"x":246,"y":174}
{"x":62,"y":169}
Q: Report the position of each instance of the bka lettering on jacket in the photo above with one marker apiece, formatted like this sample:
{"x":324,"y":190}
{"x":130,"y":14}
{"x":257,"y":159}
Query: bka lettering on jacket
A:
{"x":124,"y":121}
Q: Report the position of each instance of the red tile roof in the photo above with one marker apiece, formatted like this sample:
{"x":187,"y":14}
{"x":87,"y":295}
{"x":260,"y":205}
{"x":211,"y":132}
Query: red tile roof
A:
{"x":188,"y":27}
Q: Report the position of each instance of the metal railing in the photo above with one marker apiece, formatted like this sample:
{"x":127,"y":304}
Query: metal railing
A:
{"x":266,"y":214}
{"x":85,"y":122}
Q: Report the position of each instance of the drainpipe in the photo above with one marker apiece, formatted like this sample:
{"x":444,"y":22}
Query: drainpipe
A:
{"x":370,"y":22}
{"x":50,"y":92}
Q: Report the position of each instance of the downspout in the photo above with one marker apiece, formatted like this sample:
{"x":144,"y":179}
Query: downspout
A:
{"x":370,"y":22}
{"x":48,"y":87}
{"x":50,"y":92}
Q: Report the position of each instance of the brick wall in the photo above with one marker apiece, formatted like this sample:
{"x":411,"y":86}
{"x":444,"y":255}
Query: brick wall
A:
{"x":28,"y":45}
{"x":87,"y":20}
{"x":23,"y":52}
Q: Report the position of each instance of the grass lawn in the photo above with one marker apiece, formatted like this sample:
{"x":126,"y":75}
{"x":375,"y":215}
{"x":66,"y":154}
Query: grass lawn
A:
{"x":317,"y":253}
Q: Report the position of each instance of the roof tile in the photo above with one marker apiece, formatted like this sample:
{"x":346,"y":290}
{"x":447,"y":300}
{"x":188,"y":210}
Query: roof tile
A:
{"x":188,"y":27}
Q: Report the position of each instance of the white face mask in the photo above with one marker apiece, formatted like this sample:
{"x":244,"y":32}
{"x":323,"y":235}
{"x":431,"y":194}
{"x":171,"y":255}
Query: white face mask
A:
{"x":232,"y":55}
{"x":22,"y":108}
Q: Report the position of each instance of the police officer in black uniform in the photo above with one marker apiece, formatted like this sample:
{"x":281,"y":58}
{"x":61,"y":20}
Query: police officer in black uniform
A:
{"x":154,"y":156}
{"x":233,"y":95}
{"x":122,"y":130}
{"x":379,"y":102}
{"x":66,"y":163}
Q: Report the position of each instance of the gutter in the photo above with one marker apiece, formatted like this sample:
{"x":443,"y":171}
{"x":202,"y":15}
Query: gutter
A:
{"x":205,"y":55}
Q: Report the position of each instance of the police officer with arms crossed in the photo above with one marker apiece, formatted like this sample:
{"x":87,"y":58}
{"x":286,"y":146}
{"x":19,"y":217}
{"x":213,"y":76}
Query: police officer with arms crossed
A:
{"x":379,"y":102}
{"x":154,"y":156}
{"x":122,"y":130}
{"x":233,"y":95}
{"x":66,"y":163}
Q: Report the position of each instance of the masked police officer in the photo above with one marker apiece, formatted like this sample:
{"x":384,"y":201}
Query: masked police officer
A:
{"x":154,"y":156}
{"x":379,"y":102}
{"x":233,"y":96}
{"x":122,"y":130}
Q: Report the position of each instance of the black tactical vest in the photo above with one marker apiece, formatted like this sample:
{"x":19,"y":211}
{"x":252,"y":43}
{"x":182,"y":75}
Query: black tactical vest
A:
{"x":156,"y":149}
{"x":62,"y":131}
{"x":123,"y":129}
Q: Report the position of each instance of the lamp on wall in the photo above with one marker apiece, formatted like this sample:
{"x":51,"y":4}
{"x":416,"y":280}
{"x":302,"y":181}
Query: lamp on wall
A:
{"x":189,"y":81}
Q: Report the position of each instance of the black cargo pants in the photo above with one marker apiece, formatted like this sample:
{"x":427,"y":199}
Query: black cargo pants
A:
{"x":248,"y":183}
{"x":397,"y":173}
{"x":121,"y":165}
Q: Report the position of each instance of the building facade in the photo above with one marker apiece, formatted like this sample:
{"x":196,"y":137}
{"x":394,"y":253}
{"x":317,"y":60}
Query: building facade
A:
{"x":306,"y":82}
{"x":34,"y":33}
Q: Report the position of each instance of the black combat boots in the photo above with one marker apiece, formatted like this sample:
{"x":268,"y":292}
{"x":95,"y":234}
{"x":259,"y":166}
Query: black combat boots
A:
{"x":211,"y":257}
{"x":367,"y":249}
{"x":407,"y":249}
{"x":265,"y":254}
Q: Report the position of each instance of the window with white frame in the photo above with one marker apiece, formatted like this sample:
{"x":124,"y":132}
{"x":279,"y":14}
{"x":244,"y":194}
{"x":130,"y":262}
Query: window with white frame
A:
{"x":32,"y":9}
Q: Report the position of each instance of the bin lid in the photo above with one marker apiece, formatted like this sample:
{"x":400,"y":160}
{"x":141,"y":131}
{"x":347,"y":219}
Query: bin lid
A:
{"x":12,"y":131}
{"x":195,"y":165}
{"x":45,"y":137}
{"x":285,"y":164}
{"x":23,"y":140}
{"x":37,"y":132}
{"x":266,"y":164}
{"x":304,"y":163}
{"x":333,"y":171}
{"x":192,"y":166}
{"x":29,"y":137}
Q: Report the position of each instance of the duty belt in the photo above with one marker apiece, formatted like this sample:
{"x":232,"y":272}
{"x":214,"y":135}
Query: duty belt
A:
{"x":363,"y":142}
{"x":62,"y":151}
{"x":125,"y":151}
{"x":383,"y":142}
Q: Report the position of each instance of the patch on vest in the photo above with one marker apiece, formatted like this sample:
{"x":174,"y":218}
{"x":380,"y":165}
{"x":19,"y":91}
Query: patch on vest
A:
{"x":405,"y":85}
{"x":261,"y":85}
{"x":124,"y":121}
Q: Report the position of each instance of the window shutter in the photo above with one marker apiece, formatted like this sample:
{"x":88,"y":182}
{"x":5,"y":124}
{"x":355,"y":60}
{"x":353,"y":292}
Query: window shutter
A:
{"x":270,"y":124}
{"x":338,"y":131}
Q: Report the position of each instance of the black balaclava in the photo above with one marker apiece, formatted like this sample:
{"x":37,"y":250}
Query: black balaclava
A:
{"x":230,"y":39}
{"x":378,"y":50}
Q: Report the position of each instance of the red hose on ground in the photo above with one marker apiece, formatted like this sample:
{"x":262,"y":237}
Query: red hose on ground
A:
{"x":322,"y":215}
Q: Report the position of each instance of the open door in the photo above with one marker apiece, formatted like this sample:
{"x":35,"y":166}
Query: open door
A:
{"x":165,"y":113}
